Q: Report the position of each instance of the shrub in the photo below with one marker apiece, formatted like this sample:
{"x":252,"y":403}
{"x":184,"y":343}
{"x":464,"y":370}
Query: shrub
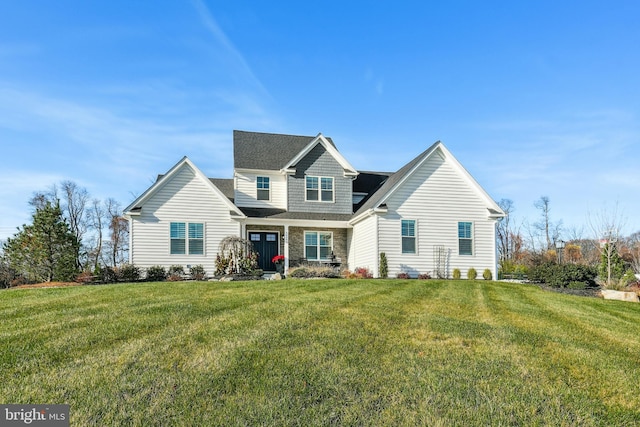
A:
{"x":577,"y":285}
{"x":402,"y":276}
{"x":309,"y":271}
{"x":156,"y":273}
{"x":472,"y":274}
{"x":108,"y":275}
{"x":358,"y":273}
{"x":384,"y":267}
{"x":197,"y":272}
{"x":486,"y":274}
{"x":560,"y":276}
{"x":175,"y":273}
{"x":424,"y":276}
{"x":362,"y":273}
{"x":85,"y":277}
{"x":456,"y":274}
{"x":129,"y":273}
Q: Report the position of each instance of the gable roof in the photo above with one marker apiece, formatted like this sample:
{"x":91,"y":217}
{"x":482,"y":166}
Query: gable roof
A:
{"x":331,"y":149}
{"x":267,"y":151}
{"x":379,"y":198}
{"x":135,"y":207}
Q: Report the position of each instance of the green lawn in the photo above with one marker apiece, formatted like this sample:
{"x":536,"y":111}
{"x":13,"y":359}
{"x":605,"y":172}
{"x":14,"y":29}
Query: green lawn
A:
{"x":322,"y":352}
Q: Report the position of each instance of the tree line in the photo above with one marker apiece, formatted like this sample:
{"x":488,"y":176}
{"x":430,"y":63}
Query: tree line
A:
{"x":70,"y":234}
{"x":527,"y":245}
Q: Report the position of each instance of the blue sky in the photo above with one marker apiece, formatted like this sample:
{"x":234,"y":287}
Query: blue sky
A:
{"x":534,"y":98}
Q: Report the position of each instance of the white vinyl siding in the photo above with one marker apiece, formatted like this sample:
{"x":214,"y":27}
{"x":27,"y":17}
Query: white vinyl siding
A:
{"x":187,"y":199}
{"x":247,"y":188}
{"x":438,"y":196}
{"x":363,"y":245}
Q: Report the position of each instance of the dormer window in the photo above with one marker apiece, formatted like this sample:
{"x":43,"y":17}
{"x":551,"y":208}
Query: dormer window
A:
{"x":263,"y":188}
{"x":319,"y":189}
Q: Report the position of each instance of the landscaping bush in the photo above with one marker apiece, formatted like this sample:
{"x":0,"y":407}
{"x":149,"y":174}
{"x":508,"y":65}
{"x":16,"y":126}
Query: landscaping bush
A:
{"x":197,"y":272}
{"x":156,"y":273}
{"x":128,"y":273}
{"x":486,"y":274}
{"x":424,"y":276}
{"x":309,"y":271}
{"x":472,"y":274}
{"x":456,"y":274}
{"x":402,"y":276}
{"x":560,"y":276}
{"x":108,"y":275}
{"x":175,"y":273}
{"x":85,"y":277}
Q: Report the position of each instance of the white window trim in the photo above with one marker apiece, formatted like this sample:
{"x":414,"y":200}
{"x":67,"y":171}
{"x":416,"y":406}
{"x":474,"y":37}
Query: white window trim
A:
{"x":268,"y":189}
{"x":415,"y":237}
{"x":473,"y":238}
{"x":304,"y":246}
{"x":333,"y":189}
{"x":186,"y":238}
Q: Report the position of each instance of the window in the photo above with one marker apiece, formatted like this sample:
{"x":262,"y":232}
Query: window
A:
{"x":408,"y":236}
{"x":318,"y":245}
{"x":178,"y":241}
{"x":465,"y":240}
{"x":180,"y":244}
{"x":196,"y":239}
{"x":326,"y":189}
{"x":263,"y":187}
{"x":312,"y":188}
{"x":319,"y":189}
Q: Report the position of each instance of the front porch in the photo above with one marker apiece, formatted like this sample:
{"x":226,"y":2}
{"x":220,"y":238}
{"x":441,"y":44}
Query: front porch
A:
{"x":299,"y":245}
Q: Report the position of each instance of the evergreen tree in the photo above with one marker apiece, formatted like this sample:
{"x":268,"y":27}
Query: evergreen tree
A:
{"x":46,"y":249}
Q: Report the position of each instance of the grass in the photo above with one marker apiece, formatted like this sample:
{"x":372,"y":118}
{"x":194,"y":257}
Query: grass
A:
{"x":325,"y":352}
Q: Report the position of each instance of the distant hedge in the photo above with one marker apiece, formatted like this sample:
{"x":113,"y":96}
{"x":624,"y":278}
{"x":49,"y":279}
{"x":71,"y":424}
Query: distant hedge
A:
{"x":562,"y":275}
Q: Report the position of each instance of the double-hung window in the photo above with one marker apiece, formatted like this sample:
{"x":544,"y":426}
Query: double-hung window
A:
{"x":318,"y":245}
{"x":465,"y":238}
{"x":263,"y":187}
{"x":319,"y":189}
{"x":408,"y":236}
{"x":187,"y":238}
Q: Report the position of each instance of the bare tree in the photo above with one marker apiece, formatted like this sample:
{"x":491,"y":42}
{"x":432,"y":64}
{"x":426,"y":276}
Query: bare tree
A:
{"x":118,"y":245}
{"x":550,"y":230}
{"x":503,"y":229}
{"x":633,"y":242}
{"x":606,"y":226}
{"x":95,"y":217}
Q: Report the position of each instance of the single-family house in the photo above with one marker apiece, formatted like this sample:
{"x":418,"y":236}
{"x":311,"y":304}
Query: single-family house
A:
{"x":299,"y":197}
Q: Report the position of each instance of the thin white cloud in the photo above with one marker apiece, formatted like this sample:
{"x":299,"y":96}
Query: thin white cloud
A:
{"x":237,"y":59}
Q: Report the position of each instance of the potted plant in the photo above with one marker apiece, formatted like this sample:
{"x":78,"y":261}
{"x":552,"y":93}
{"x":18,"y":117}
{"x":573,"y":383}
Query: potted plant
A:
{"x":278,"y":260}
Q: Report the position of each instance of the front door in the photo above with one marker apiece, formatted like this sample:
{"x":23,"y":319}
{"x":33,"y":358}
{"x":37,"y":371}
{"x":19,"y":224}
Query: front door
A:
{"x":266,"y":244}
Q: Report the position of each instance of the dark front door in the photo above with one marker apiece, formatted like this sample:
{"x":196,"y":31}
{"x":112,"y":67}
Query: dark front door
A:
{"x":266,"y":244}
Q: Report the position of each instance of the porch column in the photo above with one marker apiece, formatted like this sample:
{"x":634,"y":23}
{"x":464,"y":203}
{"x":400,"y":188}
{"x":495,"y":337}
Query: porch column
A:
{"x":286,"y":248}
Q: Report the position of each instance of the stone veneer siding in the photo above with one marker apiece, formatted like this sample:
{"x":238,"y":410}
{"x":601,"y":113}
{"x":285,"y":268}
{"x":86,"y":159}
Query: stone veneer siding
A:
{"x":296,"y":244}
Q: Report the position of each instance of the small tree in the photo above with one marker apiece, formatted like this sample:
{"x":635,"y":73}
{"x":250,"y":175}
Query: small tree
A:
{"x":46,"y":249}
{"x":236,"y":256}
{"x":384,"y":267}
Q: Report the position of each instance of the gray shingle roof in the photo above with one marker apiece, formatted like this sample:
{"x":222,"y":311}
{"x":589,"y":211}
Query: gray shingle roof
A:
{"x":269,"y":151}
{"x":283,"y":214}
{"x":224,"y":185}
